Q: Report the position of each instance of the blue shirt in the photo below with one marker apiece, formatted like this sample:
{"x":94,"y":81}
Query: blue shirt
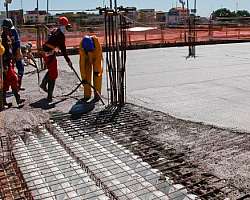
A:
{"x":16,"y":43}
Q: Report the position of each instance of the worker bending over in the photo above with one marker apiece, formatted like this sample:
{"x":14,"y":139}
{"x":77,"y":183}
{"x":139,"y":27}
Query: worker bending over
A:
{"x":55,"y":41}
{"x":91,"y":65}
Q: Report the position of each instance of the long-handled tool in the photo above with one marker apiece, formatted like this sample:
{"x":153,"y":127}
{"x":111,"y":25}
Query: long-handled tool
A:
{"x":83,"y":82}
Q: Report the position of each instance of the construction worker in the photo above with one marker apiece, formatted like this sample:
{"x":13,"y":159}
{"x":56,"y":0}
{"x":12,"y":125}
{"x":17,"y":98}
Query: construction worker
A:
{"x":10,"y":30}
{"x":10,"y":78}
{"x":55,"y":41}
{"x":91,"y":65}
{"x":1,"y":75}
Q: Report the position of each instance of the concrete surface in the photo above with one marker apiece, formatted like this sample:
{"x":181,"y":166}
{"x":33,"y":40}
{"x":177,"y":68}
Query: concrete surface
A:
{"x":213,"y":88}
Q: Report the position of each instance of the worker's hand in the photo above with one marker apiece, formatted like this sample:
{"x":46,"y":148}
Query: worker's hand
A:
{"x":70,"y":64}
{"x":84,"y":81}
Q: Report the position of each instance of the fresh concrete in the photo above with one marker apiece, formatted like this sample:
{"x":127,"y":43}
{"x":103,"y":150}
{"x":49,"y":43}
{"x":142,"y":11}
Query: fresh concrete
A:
{"x":213,"y":88}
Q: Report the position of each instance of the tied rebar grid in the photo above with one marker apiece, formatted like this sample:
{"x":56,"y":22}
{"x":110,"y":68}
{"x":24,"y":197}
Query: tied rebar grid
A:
{"x":124,"y":173}
{"x":51,"y":173}
{"x":12,"y":183}
{"x":130,"y":132}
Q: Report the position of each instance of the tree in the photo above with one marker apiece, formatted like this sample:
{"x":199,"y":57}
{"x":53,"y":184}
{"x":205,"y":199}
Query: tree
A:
{"x":242,"y":13}
{"x":222,"y":12}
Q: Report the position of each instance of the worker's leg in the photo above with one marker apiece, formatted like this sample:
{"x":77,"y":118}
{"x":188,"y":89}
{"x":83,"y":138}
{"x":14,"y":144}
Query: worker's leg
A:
{"x":51,"y":86}
{"x":44,"y":82}
{"x":86,"y":74}
{"x":20,"y":71}
{"x":52,"y":76}
{"x":97,"y":75}
{"x":4,"y":98}
{"x":15,"y":86}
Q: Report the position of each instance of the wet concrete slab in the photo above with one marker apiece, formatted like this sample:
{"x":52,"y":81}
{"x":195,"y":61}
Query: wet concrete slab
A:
{"x":213,"y":88}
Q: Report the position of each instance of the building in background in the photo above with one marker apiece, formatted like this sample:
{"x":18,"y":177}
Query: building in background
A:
{"x":146,"y":16}
{"x":35,"y":17}
{"x":17,"y":17}
{"x":177,"y":16}
{"x":2,"y":16}
{"x":161,"y":16}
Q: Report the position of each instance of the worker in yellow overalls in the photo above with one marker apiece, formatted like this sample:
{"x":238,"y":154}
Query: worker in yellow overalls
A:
{"x":91,"y":65}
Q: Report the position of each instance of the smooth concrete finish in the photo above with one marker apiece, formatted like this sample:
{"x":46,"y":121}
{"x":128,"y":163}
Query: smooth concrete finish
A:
{"x":213,"y":88}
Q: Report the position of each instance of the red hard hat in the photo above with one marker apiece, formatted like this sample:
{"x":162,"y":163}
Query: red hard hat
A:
{"x":63,"y":21}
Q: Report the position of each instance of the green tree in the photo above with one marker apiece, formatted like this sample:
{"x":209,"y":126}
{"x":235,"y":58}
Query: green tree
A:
{"x":222,"y":12}
{"x":242,"y":13}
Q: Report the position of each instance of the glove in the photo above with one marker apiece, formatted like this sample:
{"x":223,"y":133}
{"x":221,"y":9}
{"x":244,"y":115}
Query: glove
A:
{"x":84,"y":82}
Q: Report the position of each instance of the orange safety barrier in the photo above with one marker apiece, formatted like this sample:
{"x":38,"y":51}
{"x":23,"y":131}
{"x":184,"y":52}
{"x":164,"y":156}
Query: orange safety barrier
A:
{"x":166,"y":35}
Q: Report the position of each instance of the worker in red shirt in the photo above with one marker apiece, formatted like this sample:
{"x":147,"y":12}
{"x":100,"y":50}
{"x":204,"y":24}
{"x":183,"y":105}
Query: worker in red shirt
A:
{"x":56,"y":40}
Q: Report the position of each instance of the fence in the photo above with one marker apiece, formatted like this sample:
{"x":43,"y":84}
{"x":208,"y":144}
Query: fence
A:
{"x":154,"y":36}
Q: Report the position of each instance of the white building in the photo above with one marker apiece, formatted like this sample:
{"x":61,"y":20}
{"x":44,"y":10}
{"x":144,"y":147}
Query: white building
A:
{"x":34,"y":17}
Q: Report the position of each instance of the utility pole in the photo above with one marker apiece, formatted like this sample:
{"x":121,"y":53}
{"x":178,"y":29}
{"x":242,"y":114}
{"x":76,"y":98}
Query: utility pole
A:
{"x":37,"y":10}
{"x":7,"y":10}
{"x":237,"y":5}
{"x":6,"y":4}
{"x":47,"y":12}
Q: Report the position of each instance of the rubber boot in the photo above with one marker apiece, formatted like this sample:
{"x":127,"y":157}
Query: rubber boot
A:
{"x":5,"y":104}
{"x":4,"y":98}
{"x":51,"y":86}
{"x":20,"y":78}
{"x":19,"y":101}
{"x":44,"y":83}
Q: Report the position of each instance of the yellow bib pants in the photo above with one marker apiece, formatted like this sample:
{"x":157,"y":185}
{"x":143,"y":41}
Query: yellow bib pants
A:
{"x":91,"y":66}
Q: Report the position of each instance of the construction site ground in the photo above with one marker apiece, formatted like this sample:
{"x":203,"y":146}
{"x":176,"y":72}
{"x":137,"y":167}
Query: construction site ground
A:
{"x":199,"y":107}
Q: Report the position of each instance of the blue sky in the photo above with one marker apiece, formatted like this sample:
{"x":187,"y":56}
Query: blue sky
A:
{"x":204,"y":6}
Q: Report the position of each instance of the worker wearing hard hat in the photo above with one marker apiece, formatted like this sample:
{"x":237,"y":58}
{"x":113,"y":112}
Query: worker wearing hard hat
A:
{"x":9,"y":28}
{"x":10,"y":77}
{"x":91,"y":65}
{"x":56,"y":40}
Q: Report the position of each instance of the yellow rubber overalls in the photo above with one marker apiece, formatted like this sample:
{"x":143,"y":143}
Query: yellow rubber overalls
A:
{"x":91,"y":66}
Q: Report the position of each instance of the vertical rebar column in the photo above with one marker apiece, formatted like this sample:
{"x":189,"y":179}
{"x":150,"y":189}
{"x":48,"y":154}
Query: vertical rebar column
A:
{"x":115,"y":44}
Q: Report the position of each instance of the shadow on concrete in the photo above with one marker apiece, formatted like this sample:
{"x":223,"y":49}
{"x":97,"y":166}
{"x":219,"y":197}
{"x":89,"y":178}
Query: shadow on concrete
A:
{"x":45,"y":105}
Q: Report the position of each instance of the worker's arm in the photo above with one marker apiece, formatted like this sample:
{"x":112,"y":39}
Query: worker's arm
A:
{"x":64,"y":52}
{"x":15,"y":39}
{"x":2,"y":49}
{"x":61,"y":45}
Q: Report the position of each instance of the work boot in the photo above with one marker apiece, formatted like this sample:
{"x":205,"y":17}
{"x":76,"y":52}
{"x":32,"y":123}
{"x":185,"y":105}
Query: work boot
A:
{"x":51,"y":86}
{"x":19,"y":101}
{"x":20,"y":78}
{"x":5,"y":104}
{"x":85,"y":99}
{"x":4,"y":98}
{"x":44,"y":83}
{"x":96,"y":98}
